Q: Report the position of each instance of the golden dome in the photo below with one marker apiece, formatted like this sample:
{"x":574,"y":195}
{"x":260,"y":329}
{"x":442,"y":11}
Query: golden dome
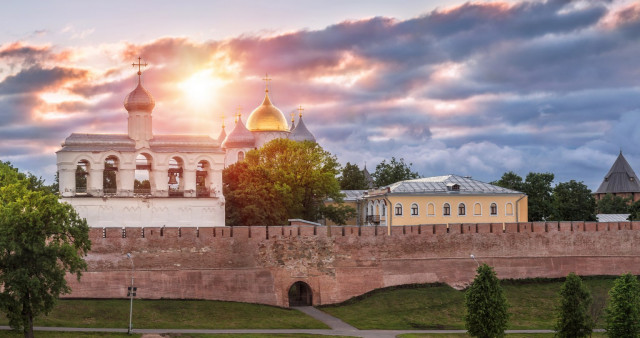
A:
{"x":267,"y":117}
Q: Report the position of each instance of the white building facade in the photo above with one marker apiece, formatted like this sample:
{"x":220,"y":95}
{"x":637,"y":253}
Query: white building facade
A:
{"x":140,"y":179}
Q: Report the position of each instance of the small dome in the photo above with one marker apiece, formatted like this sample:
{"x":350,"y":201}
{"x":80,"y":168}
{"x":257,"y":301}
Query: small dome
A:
{"x":139,"y":100}
{"x":239,"y":137}
{"x":301,"y":133}
{"x":267,"y":117}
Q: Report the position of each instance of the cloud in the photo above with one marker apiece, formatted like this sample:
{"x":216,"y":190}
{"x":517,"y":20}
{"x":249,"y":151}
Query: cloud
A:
{"x":476,"y":89}
{"x":35,"y":79}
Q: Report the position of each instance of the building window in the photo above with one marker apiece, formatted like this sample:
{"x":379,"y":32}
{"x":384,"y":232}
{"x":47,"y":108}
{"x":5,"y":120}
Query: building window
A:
{"x":446,"y":209}
{"x":414,"y":209}
{"x":509,"y":209}
{"x":398,"y":209}
{"x":477,"y":209}
{"x":240,"y":156}
{"x":461,"y":209}
{"x":494,"y":209}
{"x":384,"y":210}
{"x":431,"y":209}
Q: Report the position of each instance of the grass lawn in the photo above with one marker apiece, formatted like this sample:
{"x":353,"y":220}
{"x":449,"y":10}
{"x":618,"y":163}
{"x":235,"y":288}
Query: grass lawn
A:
{"x":49,"y":334}
{"x":177,"y":314}
{"x":532,"y":303}
{"x":515,"y":335}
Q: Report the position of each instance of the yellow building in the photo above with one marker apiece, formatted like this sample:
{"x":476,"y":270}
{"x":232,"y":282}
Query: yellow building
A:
{"x":442,"y":200}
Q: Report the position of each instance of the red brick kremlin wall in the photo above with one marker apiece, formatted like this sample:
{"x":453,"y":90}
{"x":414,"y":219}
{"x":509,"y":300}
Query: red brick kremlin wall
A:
{"x":260,"y":264}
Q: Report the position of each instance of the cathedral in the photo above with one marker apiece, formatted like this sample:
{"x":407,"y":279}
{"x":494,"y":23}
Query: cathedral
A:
{"x":265,"y":123}
{"x":142,"y":179}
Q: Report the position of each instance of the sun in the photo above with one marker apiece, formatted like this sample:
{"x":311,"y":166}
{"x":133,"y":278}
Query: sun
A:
{"x":200,"y":89}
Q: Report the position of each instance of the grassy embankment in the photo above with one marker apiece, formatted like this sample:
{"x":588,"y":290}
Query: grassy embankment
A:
{"x":532,"y":302}
{"x":183,"y":314}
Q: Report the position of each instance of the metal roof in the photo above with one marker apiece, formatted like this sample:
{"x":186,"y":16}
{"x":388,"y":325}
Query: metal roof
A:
{"x":620,"y":178}
{"x":352,"y":195}
{"x":445,"y":184}
{"x":301,"y":133}
{"x":239,"y":137}
{"x":612,"y":217}
{"x":122,"y":142}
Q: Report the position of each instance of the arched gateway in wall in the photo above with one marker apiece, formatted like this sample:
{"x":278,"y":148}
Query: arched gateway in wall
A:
{"x":300,"y":294}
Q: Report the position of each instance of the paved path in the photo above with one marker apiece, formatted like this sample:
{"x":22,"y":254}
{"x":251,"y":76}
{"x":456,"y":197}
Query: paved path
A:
{"x":331,"y":321}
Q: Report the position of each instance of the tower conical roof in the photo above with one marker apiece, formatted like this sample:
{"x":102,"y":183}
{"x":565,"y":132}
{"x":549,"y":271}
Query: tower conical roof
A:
{"x":620,"y":178}
{"x":301,"y":133}
{"x":222,"y":136}
{"x":239,"y":137}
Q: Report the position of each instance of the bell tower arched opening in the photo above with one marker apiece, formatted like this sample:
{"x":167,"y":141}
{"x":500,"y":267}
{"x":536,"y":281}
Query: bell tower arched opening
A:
{"x":82,"y":173}
{"x":176,"y":181}
{"x":300,"y":294}
{"x":110,"y":179}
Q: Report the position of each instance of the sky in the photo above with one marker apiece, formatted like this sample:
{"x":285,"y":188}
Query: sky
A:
{"x":468,"y":88}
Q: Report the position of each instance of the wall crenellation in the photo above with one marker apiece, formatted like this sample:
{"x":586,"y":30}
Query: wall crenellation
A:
{"x":266,"y":232}
{"x":259,"y":264}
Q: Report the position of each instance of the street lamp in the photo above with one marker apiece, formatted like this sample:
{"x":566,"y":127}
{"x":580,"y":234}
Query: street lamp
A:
{"x":474,"y":258}
{"x":131,"y":293}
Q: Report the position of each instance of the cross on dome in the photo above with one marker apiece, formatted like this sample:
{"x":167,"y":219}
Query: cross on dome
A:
{"x":266,"y":80}
{"x":140,"y":65}
{"x":300,"y":109}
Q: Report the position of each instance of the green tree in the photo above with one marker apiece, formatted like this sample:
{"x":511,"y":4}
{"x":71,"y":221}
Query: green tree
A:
{"x":510,"y":180}
{"x":283,"y":179}
{"x":610,"y":204}
{"x":352,"y":178}
{"x":537,"y":186}
{"x":572,"y":201}
{"x":634,"y":211}
{"x":41,"y":240}
{"x":623,"y":311}
{"x":574,"y":319}
{"x":487,"y":308}
{"x":392,"y":172}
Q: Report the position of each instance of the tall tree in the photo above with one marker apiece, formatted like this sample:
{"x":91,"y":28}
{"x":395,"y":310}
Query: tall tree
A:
{"x":610,"y":204}
{"x":487,"y":308}
{"x":283,"y":179}
{"x":41,"y":240}
{"x":574,"y":319}
{"x":572,"y":201}
{"x":634,"y":211}
{"x":250,"y":200}
{"x":623,"y":311}
{"x":352,"y":178}
{"x":392,"y":172}
{"x":510,"y":180}
{"x":538,"y":188}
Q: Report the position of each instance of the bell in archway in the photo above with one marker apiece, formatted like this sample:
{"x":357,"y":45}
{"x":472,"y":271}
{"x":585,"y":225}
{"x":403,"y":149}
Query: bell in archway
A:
{"x":172,"y":178}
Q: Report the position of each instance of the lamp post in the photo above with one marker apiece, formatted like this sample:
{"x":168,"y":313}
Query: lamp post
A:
{"x":474,"y":258}
{"x":129,"y":331}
